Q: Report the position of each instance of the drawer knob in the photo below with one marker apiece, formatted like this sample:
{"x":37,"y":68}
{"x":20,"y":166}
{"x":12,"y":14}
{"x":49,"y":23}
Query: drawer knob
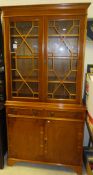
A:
{"x":48,"y":121}
{"x":52,"y":114}
{"x":34,"y":112}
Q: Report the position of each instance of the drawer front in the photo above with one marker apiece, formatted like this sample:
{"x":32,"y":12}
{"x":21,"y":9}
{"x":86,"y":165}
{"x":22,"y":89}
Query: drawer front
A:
{"x":25,"y":111}
{"x":65,"y":114}
{"x":43,"y":113}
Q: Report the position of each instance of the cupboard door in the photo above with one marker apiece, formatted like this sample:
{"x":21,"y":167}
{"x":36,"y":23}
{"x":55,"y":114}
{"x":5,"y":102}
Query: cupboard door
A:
{"x":25,"y":138}
{"x":63,"y":141}
{"x":26,"y":58}
{"x":63,"y":58}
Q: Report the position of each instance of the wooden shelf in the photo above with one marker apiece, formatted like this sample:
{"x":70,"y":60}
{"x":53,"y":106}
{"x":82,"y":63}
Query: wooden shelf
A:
{"x":53,"y":35}
{"x":36,"y":56}
{"x":26,"y":36}
{"x":63,"y":57}
{"x":17,"y":92}
{"x":64,"y":35}
{"x":27,"y":80}
{"x":25,"y":57}
{"x":65,"y":82}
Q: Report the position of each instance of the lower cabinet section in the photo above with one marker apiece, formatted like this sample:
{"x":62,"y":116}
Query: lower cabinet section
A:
{"x":43,"y":138}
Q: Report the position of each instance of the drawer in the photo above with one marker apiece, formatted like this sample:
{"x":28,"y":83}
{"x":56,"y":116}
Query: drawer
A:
{"x":25,"y":111}
{"x":46,"y":113}
{"x":65,"y":114}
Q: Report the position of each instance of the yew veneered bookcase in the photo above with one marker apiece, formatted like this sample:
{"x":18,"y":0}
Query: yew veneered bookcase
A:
{"x":44,"y":56}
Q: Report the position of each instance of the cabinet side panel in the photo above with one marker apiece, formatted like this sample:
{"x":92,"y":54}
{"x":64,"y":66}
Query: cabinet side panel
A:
{"x":7,"y":57}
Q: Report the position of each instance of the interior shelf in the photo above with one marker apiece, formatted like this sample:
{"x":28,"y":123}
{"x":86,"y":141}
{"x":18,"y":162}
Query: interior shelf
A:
{"x":27,"y":36}
{"x":27,"y":80}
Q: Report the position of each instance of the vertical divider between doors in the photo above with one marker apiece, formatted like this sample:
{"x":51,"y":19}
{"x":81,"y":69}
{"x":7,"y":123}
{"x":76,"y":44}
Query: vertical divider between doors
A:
{"x":45,"y":57}
{"x":41,"y":57}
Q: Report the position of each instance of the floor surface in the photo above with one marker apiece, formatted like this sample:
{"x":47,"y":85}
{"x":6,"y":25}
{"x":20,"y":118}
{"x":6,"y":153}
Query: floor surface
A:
{"x":36,"y":169}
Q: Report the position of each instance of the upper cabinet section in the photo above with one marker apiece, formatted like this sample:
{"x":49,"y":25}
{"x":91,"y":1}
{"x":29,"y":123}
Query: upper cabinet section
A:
{"x":44,"y":52}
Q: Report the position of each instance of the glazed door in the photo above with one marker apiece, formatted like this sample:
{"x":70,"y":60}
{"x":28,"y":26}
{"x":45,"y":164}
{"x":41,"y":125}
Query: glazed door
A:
{"x":25,"y":58}
{"x":63,"y":59}
{"x":63,"y":141}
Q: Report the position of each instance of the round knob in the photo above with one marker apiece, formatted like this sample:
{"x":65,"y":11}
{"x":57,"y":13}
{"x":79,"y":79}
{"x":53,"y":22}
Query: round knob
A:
{"x":52,"y":114}
{"x":34,"y":112}
{"x":48,"y":121}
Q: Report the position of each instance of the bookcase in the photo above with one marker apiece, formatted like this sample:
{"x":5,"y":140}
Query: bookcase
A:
{"x":44,"y":54}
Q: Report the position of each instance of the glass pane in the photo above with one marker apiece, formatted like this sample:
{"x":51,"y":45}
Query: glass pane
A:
{"x":24,"y":59}
{"x":63,"y":37}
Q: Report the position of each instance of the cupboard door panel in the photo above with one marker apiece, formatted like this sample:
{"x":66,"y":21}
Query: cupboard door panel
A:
{"x":63,"y":142}
{"x":25,"y":138}
{"x":66,"y":115}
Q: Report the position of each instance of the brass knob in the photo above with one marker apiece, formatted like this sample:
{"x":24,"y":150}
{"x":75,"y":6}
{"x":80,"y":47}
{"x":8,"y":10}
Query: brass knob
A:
{"x":52,"y":114}
{"x":34,"y":112}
